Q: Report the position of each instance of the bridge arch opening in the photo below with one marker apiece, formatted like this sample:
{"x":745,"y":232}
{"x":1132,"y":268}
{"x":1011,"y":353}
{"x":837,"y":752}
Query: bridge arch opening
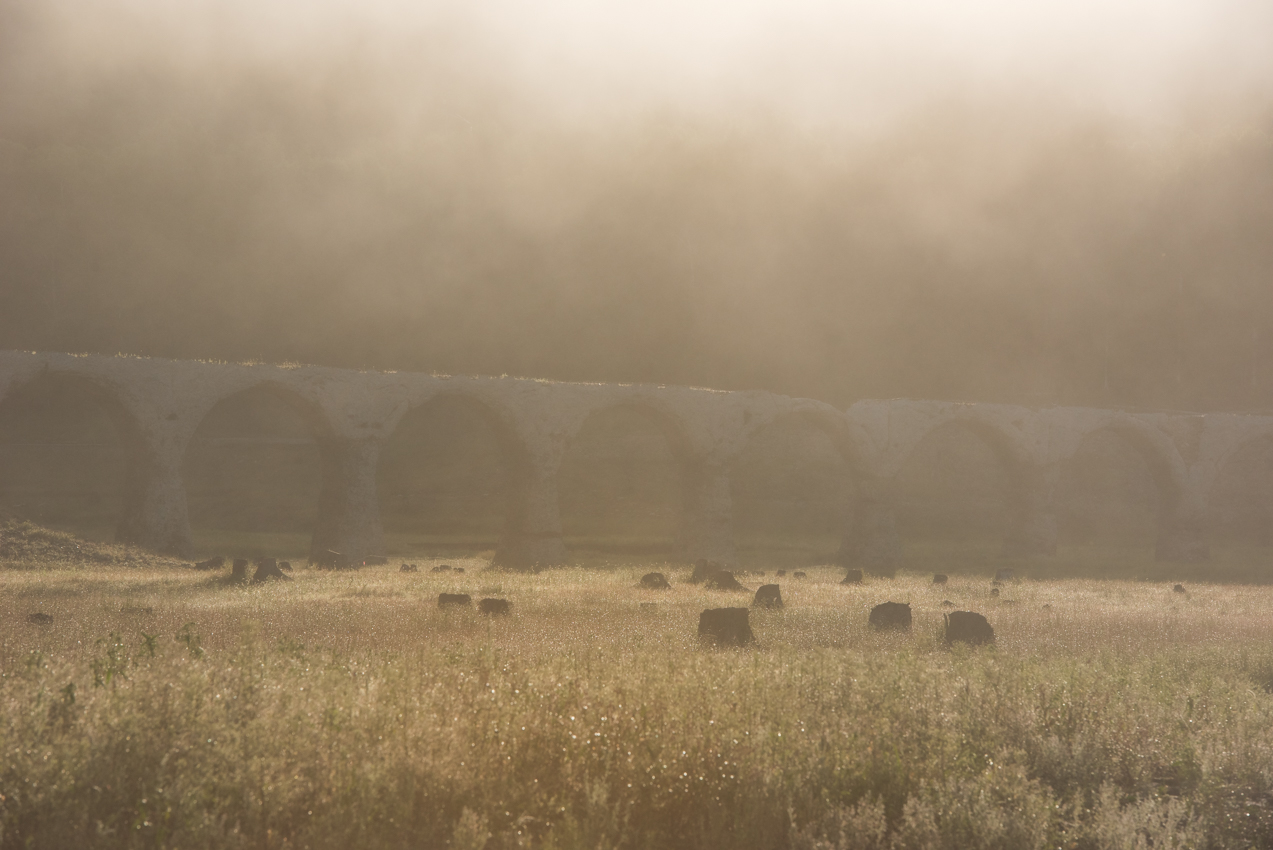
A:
{"x":1241,"y":500}
{"x":622,"y":484}
{"x":1111,"y":496}
{"x":443,"y":478}
{"x":65,"y":446}
{"x":253,"y":474}
{"x":953,"y":497}
{"x":793,"y":494}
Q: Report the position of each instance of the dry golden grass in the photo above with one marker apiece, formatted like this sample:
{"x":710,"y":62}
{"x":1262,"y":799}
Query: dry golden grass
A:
{"x":381,"y":607}
{"x":344,"y":709}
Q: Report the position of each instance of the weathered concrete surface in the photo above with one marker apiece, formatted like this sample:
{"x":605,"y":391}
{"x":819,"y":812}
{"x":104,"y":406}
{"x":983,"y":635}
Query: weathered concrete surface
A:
{"x":162,"y":402}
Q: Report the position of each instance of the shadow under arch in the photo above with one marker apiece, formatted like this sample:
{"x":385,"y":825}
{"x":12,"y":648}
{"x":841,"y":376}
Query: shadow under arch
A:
{"x":71,"y":455}
{"x":1240,"y":501}
{"x":965,"y":481}
{"x":448,"y":474}
{"x":1122,"y":472}
{"x":627,"y":479}
{"x":795,"y":487}
{"x":834,"y":426}
{"x":257,"y":471}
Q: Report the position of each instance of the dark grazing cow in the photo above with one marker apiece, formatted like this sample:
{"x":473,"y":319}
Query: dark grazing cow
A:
{"x":968,"y":627}
{"x":495,"y":607}
{"x":891,"y":615}
{"x":725,"y":627}
{"x":655,"y":581}
{"x":722,"y":580}
{"x":768,"y":596}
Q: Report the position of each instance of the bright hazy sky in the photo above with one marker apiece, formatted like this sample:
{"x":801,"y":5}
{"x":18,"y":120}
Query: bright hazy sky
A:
{"x":842,"y":62}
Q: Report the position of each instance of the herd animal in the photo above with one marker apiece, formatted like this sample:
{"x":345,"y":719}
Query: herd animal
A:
{"x":717,"y":626}
{"x":731,"y":627}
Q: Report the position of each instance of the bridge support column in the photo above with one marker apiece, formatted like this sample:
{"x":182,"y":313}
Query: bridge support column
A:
{"x":155,"y":514}
{"x":1034,"y":524}
{"x":532,"y":538}
{"x":871,"y":540}
{"x":1182,"y":537}
{"x":708,"y":531}
{"x":348,"y":507}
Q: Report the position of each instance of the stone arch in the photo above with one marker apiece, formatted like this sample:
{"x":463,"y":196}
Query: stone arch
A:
{"x":776,"y":499}
{"x":509,"y":468}
{"x":1255,"y":435}
{"x":670,"y":423}
{"x":1240,"y":495}
{"x":105,"y":484}
{"x":831,"y":423}
{"x":1179,"y":533}
{"x":633,"y":507}
{"x":1155,"y":447}
{"x":256,"y":470}
{"x":308,"y":409}
{"x":1008,"y":446}
{"x":1002,"y":498}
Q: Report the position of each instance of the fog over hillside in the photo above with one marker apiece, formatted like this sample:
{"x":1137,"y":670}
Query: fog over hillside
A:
{"x":989,"y":202}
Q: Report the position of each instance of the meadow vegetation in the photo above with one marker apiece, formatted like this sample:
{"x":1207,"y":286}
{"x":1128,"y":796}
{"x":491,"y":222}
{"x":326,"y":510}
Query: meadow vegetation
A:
{"x":165,"y":707}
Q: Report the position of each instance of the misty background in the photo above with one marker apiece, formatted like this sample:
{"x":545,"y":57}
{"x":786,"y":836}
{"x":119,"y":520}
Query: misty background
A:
{"x":988,"y":202}
{"x":839,"y":201}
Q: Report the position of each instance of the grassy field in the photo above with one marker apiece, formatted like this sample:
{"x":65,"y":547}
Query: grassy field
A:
{"x":164,"y":707}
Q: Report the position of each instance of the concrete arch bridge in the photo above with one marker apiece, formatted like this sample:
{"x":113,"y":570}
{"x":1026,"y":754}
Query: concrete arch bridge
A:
{"x":158,"y":405}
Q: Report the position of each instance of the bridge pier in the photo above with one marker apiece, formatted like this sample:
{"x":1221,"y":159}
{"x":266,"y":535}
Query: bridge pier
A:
{"x":155,"y":513}
{"x":709,"y":516}
{"x":532,"y":537}
{"x":348,"y":506}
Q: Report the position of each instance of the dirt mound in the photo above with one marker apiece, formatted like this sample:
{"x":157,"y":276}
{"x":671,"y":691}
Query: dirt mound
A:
{"x":27,"y":546}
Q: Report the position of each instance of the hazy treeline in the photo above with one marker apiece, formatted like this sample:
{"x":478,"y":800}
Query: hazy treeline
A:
{"x":238,"y":188}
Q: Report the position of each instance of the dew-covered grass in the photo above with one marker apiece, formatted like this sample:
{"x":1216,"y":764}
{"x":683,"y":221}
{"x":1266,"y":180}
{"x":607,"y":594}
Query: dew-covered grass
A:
{"x":168,"y":708}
